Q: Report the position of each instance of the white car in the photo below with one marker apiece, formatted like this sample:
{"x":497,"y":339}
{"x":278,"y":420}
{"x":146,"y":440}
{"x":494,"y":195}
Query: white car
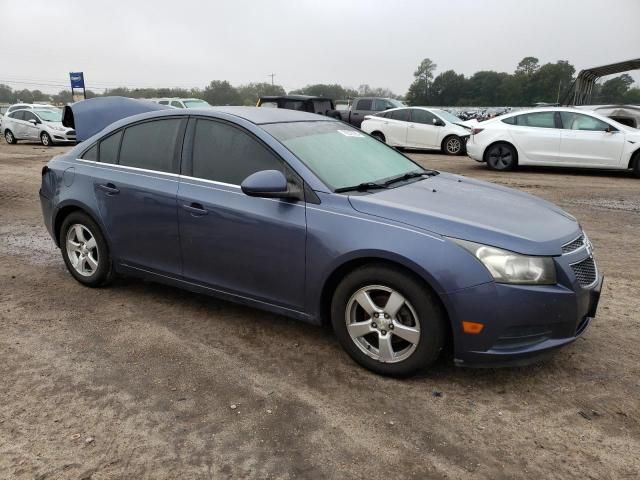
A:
{"x":418,"y":127}
{"x":182,"y":102}
{"x":564,"y":137}
{"x":35,"y":124}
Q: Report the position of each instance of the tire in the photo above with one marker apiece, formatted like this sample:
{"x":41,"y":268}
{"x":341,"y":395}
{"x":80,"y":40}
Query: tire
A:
{"x":415,"y":312}
{"x":501,"y":157}
{"x":636,"y":164}
{"x":453,"y":145}
{"x":10,"y":137}
{"x":45,"y":139}
{"x":379,"y":136}
{"x":89,"y":262}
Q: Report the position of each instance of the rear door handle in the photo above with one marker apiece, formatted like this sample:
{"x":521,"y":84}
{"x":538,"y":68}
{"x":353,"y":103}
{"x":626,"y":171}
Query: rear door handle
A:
{"x":110,"y":188}
{"x":196,"y":209}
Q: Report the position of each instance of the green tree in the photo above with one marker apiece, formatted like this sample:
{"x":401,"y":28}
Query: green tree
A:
{"x":333,"y":91}
{"x":221,"y":92}
{"x":527,"y":66}
{"x":420,"y":89}
{"x":448,"y":88}
{"x":550,"y":81}
{"x":6,"y":94}
{"x":614,"y":90}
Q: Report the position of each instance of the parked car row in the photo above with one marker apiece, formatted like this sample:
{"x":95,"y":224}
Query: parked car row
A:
{"x":309,"y":217}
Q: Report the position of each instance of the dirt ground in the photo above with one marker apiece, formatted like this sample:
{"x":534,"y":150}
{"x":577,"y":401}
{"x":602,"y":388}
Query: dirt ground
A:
{"x":145,"y":381}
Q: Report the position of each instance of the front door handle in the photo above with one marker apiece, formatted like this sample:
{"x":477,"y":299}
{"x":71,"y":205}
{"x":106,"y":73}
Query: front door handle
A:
{"x":110,"y":188}
{"x":195,"y":209}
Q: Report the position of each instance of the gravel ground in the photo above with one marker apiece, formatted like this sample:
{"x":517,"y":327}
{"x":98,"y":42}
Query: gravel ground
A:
{"x":140,"y":380}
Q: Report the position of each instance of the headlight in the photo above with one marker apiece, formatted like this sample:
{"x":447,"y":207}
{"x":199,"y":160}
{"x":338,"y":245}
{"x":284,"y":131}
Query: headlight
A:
{"x":510,"y":267}
{"x":57,"y":128}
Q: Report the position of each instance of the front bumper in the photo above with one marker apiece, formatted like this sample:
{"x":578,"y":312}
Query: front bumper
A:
{"x":522,"y":323}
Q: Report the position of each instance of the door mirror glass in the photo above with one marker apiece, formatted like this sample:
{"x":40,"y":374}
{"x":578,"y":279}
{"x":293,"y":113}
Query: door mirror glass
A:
{"x":267,"y":184}
{"x":438,"y":123}
{"x":33,"y":121}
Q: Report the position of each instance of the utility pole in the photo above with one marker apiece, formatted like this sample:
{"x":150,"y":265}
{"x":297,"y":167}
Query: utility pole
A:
{"x":271,"y":75}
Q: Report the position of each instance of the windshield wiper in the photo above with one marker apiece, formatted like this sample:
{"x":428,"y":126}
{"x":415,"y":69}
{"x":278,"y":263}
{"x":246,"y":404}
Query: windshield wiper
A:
{"x":361,"y":187}
{"x":410,"y":175}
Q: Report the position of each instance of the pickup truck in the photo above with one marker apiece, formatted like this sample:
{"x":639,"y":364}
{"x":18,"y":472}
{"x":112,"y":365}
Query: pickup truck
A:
{"x":362,"y":106}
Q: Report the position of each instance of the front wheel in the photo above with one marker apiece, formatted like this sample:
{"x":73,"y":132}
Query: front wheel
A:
{"x":379,"y":136}
{"x":85,"y":251}
{"x":10,"y":138}
{"x":387,"y":320}
{"x":501,"y":156}
{"x":453,"y":145}
{"x":45,"y":139}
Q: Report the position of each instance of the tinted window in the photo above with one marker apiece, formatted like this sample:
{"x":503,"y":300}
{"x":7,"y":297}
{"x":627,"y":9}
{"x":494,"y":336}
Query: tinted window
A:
{"x":382,"y":104}
{"x":29,"y":116}
{"x":578,"y":121}
{"x":151,"y":145}
{"x":510,"y":120}
{"x":91,"y":154}
{"x":176,"y":104}
{"x":163,"y":102}
{"x":109,"y":148}
{"x":402,"y":115}
{"x":364,"y":104}
{"x":538,"y":119}
{"x":422,"y":116}
{"x":224,"y":153}
{"x":17,"y":115}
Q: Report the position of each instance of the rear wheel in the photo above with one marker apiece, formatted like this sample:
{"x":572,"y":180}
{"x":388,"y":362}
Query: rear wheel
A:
{"x":45,"y":139}
{"x":501,"y":156}
{"x":85,"y":251}
{"x":636,"y":164}
{"x":379,"y":136}
{"x":9,"y":137}
{"x":453,"y":145}
{"x":387,"y":320}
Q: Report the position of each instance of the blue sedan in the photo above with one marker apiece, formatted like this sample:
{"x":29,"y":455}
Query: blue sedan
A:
{"x":308,"y":217}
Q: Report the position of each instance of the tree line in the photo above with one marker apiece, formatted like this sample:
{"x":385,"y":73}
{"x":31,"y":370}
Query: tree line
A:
{"x":528,"y":84}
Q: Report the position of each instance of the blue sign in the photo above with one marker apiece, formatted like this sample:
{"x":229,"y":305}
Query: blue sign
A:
{"x":77,"y":79}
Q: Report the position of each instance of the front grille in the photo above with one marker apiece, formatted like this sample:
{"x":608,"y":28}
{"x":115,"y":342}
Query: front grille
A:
{"x":575,"y":245}
{"x":585,"y":271}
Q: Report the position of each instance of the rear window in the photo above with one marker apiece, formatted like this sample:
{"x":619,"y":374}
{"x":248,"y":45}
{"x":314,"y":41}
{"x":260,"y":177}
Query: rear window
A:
{"x":364,"y":104}
{"x":151,"y":145}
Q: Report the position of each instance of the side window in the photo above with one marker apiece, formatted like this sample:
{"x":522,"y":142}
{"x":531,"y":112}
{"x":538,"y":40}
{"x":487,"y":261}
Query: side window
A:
{"x":422,"y":116}
{"x":538,"y":119}
{"x":364,"y":104}
{"x":227,"y":154}
{"x":177,"y":104}
{"x":91,"y":154}
{"x":578,"y":121}
{"x":109,"y":148}
{"x":19,"y":115}
{"x":381,"y":104}
{"x":402,"y":115}
{"x":29,"y":116}
{"x":164,"y":102}
{"x":510,"y":120}
{"x":151,"y":145}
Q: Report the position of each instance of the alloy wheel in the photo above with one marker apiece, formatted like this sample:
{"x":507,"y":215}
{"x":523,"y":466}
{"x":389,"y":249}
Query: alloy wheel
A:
{"x":45,"y":139}
{"x":500,"y":157}
{"x":454,"y":145}
{"x":382,"y":324}
{"x":82,"y":250}
{"x":8,"y":136}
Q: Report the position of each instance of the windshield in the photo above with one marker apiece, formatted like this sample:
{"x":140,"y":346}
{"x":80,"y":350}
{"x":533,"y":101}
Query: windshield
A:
{"x":49,"y":115}
{"x":339,"y":155}
{"x":449,"y":117}
{"x":396,"y":103}
{"x":195,"y":103}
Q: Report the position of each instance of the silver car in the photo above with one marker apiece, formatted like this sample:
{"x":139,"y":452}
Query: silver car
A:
{"x":38,"y":124}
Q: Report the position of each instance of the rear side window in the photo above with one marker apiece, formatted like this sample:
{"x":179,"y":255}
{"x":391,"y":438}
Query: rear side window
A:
{"x":537,"y":119}
{"x":109,"y":148}
{"x":151,"y":145}
{"x":19,"y":115}
{"x":510,"y":120}
{"x":422,"y":116}
{"x":228,"y":154}
{"x":364,"y":104}
{"x":91,"y":154}
{"x":163,"y":102}
{"x":578,"y":121}
{"x":176,"y":104}
{"x":402,"y":115}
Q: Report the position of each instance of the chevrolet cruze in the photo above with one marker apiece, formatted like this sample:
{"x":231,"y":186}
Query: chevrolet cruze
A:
{"x":308,"y":217}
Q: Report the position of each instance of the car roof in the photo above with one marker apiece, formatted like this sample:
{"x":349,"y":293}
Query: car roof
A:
{"x":293,"y":97}
{"x":261,"y":116}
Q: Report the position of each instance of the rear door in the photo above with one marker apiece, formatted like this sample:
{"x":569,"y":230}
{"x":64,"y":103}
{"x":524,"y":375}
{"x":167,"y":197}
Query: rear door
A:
{"x":422,"y":133}
{"x":16,"y":124}
{"x":136,"y":184}
{"x":395,"y":130}
{"x":587,"y":143}
{"x":361,"y":108}
{"x":537,"y":135}
{"x":247,"y":246}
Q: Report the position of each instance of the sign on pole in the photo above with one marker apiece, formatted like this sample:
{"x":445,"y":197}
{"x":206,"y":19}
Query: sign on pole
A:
{"x":77,"y":83}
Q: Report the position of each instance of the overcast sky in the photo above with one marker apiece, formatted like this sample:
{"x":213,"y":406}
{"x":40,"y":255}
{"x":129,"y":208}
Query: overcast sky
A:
{"x":188,"y":43}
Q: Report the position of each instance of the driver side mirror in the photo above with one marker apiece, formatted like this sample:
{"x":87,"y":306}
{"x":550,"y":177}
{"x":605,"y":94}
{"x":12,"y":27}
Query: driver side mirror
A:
{"x":438,"y":123}
{"x":610,"y":129}
{"x":267,"y":184}
{"x":33,"y":121}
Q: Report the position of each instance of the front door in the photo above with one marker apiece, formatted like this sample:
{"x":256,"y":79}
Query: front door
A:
{"x":246,"y":246}
{"x":422,"y":132}
{"x":30,"y":128}
{"x":538,"y":136}
{"x":136,"y":193}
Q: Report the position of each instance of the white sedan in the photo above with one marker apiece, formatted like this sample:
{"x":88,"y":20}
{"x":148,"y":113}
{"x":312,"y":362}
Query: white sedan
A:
{"x":418,"y":127}
{"x":562,"y":137}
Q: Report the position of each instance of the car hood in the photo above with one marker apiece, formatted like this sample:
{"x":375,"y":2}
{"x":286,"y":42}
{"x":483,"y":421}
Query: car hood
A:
{"x":477,"y":211}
